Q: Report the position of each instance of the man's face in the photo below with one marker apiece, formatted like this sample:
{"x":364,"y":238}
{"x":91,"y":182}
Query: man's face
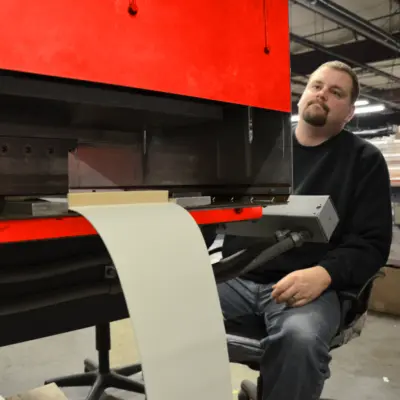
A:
{"x":327,"y":98}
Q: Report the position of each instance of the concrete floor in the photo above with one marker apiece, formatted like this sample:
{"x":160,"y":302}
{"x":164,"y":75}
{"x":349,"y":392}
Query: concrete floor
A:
{"x":366,"y":368}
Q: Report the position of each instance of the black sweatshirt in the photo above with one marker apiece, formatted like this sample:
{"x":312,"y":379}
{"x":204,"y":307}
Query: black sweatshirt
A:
{"x":355,"y":174}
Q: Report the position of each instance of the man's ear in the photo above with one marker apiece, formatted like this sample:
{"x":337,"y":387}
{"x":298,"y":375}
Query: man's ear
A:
{"x":351,"y":114}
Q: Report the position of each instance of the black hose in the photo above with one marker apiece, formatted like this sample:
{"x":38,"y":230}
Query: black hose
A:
{"x":214,"y":250}
{"x":253,"y":258}
{"x":231,"y":265}
{"x":269,"y":254}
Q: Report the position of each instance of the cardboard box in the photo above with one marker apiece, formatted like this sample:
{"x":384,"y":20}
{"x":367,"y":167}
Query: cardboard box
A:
{"x":385,"y":293}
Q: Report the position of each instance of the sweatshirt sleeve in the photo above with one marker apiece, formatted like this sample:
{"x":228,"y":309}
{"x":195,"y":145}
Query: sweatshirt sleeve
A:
{"x":365,"y":245}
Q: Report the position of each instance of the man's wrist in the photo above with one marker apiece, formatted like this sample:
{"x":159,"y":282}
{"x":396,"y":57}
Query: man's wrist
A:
{"x":325,"y":275}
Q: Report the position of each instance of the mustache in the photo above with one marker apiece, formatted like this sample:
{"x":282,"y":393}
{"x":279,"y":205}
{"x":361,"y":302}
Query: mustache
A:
{"x":323,"y":105}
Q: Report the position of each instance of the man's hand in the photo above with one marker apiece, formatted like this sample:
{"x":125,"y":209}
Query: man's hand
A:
{"x":301,"y":287}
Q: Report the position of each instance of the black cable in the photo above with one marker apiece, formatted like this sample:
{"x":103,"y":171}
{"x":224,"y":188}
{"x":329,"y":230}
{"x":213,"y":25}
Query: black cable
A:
{"x":233,"y":265}
{"x":255,"y":257}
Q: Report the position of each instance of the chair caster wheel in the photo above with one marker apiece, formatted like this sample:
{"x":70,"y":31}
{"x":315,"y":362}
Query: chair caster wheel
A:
{"x":248,"y":391}
{"x":89,"y":366}
{"x":243,"y":395}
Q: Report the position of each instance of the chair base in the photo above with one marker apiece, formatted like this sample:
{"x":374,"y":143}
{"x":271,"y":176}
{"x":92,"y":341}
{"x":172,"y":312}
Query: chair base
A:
{"x":101,"y":377}
{"x":99,"y":382}
{"x":129,"y":370}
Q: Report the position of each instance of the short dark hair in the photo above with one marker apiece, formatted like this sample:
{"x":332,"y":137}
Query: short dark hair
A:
{"x":341,"y":66}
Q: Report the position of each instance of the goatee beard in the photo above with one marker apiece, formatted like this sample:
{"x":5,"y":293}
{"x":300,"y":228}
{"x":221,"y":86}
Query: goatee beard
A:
{"x":314,"y":120}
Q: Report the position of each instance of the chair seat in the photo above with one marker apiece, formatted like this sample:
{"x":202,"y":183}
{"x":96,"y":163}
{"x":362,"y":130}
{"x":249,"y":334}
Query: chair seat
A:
{"x":243,"y":350}
{"x":249,"y":351}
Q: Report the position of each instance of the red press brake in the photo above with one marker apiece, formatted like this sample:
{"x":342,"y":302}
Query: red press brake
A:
{"x":192,"y":97}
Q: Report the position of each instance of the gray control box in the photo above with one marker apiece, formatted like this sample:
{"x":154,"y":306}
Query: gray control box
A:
{"x":315,"y":214}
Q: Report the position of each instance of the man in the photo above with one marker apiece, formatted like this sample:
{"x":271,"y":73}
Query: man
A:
{"x":295,"y":295}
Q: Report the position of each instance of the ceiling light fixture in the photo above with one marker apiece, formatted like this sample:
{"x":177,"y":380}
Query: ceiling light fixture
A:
{"x":369,"y":109}
{"x":360,"y":103}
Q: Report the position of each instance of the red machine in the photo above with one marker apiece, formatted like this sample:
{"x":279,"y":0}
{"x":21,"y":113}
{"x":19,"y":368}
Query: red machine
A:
{"x":233,"y":52}
{"x":185,"y":96}
{"x":188,"y":96}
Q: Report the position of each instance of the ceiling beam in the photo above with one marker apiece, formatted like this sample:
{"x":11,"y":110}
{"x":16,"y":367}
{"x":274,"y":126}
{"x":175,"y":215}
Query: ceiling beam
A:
{"x":337,"y":29}
{"x":336,"y":56}
{"x":359,"y":51}
{"x":392,"y":95}
{"x":345,"y":18}
{"x":380,"y":96}
{"x":375,"y":119}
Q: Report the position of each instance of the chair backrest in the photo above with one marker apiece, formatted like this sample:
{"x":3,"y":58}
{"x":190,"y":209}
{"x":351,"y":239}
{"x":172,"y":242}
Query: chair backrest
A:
{"x":354,"y":312}
{"x":360,"y":299}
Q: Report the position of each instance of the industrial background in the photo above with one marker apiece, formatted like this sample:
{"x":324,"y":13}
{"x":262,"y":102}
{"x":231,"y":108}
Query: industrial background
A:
{"x":366,"y":35}
{"x":362,"y":33}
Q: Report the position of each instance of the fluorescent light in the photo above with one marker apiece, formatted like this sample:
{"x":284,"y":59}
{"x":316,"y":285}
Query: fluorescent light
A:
{"x":369,"y":109}
{"x":360,"y":103}
{"x":359,"y":111}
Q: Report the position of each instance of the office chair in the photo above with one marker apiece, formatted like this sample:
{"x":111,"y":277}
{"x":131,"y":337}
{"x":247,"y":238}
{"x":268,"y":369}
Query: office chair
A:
{"x":248,"y":351}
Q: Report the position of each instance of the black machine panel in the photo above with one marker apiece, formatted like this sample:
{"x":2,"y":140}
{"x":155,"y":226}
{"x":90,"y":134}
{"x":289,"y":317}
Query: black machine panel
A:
{"x":118,"y":138}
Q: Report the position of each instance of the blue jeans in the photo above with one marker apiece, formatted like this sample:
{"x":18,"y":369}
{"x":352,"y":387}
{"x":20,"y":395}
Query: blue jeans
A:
{"x":296,"y":341}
